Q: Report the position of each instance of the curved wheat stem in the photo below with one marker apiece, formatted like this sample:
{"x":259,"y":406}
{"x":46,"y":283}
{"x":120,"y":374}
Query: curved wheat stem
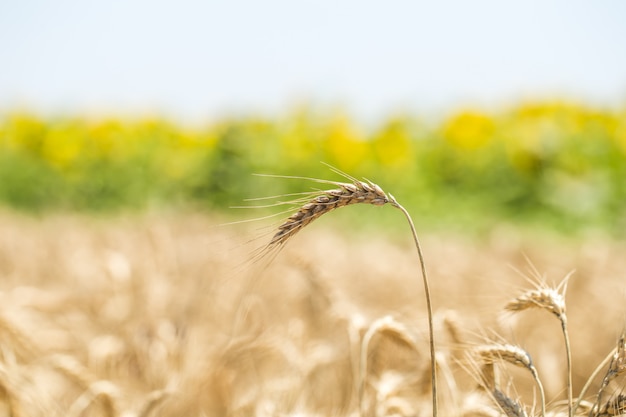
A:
{"x":431,"y":332}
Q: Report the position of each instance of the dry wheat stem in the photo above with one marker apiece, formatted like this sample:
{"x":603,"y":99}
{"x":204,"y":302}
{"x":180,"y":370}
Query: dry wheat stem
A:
{"x":429,"y":307}
{"x":353,"y":193}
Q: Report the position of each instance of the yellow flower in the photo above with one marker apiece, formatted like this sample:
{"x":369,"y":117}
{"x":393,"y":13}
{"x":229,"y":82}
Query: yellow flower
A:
{"x":393,"y":145}
{"x":344,"y":145}
{"x":62,"y":145}
{"x":469,"y":130}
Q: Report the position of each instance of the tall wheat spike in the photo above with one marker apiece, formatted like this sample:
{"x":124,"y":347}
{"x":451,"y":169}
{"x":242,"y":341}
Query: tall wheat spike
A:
{"x":354,"y":192}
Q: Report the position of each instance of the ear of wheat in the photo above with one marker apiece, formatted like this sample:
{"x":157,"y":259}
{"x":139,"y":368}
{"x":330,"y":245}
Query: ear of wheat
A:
{"x":327,"y":201}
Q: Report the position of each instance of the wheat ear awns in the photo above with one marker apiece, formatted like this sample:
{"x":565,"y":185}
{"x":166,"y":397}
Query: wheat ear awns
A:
{"x":348,"y":193}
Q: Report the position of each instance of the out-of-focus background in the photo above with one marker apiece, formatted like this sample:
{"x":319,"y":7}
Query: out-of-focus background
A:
{"x":129,"y":131}
{"x":503,"y":110}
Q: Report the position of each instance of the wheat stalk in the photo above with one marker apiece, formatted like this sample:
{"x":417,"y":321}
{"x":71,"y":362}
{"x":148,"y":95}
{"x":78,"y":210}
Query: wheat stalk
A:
{"x":354,"y":192}
{"x":552,"y":300}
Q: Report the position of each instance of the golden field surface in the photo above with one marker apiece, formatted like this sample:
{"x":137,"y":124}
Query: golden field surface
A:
{"x":170,"y":315}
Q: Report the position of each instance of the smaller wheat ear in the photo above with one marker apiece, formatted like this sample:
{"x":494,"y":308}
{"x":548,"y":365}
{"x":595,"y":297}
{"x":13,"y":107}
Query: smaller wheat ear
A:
{"x":515,"y":356}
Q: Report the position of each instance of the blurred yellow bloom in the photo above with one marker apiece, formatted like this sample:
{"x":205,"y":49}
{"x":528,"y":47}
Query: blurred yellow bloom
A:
{"x":62,"y":145}
{"x":346,"y":148}
{"x":620,"y":133}
{"x":469,"y":130}
{"x":393,"y":145}
{"x":107,"y":138}
{"x":24,"y":132}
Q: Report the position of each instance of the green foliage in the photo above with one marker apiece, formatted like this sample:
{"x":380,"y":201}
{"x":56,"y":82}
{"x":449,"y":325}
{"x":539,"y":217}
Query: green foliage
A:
{"x":550,"y":163}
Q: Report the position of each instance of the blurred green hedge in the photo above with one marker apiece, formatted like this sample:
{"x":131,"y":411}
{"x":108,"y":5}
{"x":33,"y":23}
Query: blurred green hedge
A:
{"x":556,"y":163}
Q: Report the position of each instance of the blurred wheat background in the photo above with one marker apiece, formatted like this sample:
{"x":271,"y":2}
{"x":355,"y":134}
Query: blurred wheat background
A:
{"x":135,"y":277}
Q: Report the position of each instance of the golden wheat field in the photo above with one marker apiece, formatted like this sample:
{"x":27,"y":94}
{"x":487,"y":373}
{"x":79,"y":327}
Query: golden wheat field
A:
{"x":161,"y":314}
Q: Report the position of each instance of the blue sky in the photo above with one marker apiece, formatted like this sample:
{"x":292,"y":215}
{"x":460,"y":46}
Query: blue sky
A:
{"x":198,"y":60}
